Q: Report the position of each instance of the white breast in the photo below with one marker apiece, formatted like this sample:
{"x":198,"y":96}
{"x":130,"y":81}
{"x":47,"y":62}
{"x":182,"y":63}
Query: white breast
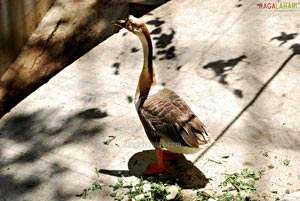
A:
{"x":155,"y":89}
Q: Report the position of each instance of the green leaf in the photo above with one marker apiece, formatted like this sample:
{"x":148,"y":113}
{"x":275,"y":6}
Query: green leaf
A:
{"x":202,"y":196}
{"x":211,"y":160}
{"x":119,"y":198}
{"x":97,"y":172}
{"x":287,"y":191}
{"x":118,"y":185}
{"x":271,"y":166}
{"x":261,"y":173}
{"x":113,"y":194}
{"x":266,"y":154}
{"x":244,"y":181}
{"x":286,"y":162}
{"x":228,"y":196}
{"x":84,"y":194}
{"x":264,"y":195}
{"x":245,"y":172}
{"x":96,"y":185}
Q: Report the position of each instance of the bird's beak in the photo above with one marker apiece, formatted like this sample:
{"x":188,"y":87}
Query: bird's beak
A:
{"x":120,"y":23}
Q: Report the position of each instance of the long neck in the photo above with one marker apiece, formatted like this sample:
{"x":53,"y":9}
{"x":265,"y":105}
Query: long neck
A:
{"x":147,"y":76}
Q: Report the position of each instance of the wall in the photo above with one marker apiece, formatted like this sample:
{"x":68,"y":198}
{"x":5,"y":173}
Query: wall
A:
{"x":18,"y":18}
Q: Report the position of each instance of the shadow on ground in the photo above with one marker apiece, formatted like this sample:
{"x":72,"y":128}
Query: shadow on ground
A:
{"x":180,"y":171}
{"x":295,"y":52}
{"x":284,"y":37}
{"x":222,"y":68}
{"x":27,"y":139}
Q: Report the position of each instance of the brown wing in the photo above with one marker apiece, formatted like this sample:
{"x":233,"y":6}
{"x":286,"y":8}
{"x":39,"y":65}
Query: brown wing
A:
{"x":168,"y":115}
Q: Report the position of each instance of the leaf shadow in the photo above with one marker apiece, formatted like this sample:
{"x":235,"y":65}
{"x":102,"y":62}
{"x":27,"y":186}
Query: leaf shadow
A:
{"x":284,"y":37}
{"x":221,"y":67}
{"x":40,"y":133}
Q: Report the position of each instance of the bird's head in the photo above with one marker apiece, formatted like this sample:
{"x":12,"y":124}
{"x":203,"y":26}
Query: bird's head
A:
{"x":132,"y":24}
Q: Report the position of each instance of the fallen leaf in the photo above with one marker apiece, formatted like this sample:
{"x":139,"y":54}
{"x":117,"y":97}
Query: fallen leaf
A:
{"x":286,"y":162}
{"x":107,"y":142}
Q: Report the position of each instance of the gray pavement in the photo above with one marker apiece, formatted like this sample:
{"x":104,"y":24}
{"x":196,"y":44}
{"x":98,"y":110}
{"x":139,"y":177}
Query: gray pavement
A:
{"x":236,"y":65}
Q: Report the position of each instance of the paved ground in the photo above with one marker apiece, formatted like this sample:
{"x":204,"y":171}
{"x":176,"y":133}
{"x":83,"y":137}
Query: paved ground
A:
{"x":236,"y":65}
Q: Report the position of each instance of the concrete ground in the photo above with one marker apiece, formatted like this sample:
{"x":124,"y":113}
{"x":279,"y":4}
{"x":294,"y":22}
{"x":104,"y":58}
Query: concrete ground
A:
{"x":236,"y":65}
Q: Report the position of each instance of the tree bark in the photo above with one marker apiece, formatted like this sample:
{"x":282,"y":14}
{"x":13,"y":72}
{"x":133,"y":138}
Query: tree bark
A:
{"x":67,"y":31}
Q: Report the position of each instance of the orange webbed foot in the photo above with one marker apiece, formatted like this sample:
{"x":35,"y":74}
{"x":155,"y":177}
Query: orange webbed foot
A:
{"x":155,"y":169}
{"x":160,"y":167}
{"x":170,"y":156}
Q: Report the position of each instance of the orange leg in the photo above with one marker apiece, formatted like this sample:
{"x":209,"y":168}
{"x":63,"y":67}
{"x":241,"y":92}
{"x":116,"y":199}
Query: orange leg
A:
{"x":160,"y":167}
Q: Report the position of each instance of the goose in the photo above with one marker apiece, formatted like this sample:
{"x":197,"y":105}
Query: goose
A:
{"x":168,"y":121}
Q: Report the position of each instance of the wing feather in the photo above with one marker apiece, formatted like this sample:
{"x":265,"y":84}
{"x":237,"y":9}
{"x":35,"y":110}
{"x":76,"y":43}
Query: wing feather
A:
{"x":169,"y":116}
